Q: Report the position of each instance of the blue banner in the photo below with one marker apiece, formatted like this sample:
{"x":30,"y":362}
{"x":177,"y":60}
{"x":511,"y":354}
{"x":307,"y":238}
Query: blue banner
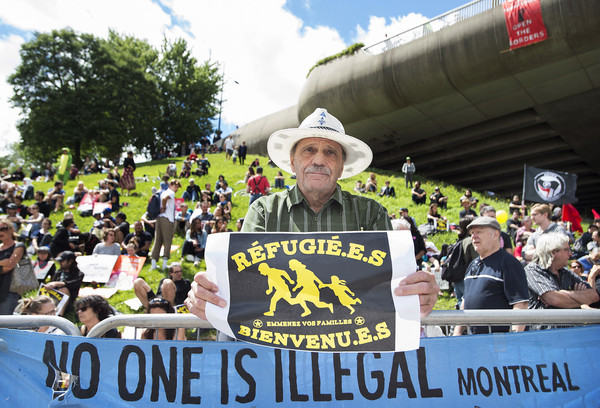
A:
{"x":549,"y":368}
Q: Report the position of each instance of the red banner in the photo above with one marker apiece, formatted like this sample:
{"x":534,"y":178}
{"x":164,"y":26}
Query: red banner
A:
{"x":524,"y":22}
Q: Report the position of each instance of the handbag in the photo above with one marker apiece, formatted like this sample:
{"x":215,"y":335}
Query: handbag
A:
{"x":23,"y":277}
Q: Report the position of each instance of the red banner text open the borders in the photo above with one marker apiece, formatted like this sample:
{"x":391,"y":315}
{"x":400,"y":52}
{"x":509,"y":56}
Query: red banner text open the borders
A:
{"x":524,"y":23}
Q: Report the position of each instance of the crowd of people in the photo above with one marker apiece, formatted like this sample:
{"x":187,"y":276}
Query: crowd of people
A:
{"x":519,"y":267}
{"x":27,"y":230}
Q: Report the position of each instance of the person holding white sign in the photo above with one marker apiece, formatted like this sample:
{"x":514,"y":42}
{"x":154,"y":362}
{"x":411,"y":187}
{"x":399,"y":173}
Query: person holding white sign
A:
{"x":318,"y":153}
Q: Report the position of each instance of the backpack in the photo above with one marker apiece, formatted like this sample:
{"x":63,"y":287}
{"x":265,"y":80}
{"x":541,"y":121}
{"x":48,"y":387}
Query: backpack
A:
{"x":153,"y":208}
{"x":455,"y":267}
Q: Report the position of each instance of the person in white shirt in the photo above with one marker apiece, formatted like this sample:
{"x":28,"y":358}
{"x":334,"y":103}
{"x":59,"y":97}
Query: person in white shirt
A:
{"x":165,"y":224}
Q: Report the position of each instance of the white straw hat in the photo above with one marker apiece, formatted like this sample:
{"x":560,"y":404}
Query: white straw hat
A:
{"x":320,"y":124}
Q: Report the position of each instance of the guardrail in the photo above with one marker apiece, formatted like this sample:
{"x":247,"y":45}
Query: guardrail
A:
{"x":33,"y":322}
{"x":562,"y":317}
{"x":435,"y":24}
{"x":446,"y":318}
{"x":170,"y":321}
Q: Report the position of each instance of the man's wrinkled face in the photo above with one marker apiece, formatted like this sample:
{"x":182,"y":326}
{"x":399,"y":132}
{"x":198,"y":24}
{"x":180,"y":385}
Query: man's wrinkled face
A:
{"x":318,"y":164}
{"x":484,"y":238}
{"x":562,"y":256}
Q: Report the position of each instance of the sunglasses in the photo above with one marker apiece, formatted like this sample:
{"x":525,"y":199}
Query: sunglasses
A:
{"x":4,"y":228}
{"x":575,"y":266}
{"x":159,"y":301}
{"x":82,"y":309}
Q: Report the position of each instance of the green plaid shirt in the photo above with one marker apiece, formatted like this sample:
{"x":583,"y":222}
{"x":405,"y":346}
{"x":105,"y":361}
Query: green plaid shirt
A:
{"x":288,"y":211}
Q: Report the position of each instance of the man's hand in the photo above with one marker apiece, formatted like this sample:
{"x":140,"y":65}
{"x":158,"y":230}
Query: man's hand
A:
{"x":202,"y":292}
{"x":423,"y":284}
{"x":419,"y":283}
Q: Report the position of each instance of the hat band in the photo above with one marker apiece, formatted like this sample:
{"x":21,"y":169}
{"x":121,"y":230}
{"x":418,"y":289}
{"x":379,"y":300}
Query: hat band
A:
{"x":325,"y":128}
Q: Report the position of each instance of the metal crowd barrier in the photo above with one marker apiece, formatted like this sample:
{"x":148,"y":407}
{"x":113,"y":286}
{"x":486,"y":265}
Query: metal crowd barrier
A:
{"x":33,"y":322}
{"x":435,"y":24}
{"x":163,"y":321}
{"x":443,"y":318}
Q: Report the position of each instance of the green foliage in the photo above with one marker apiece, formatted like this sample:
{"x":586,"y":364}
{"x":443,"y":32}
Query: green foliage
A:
{"x":188,"y":95}
{"x":54,"y":87}
{"x":98,"y":96}
{"x":348,"y":51}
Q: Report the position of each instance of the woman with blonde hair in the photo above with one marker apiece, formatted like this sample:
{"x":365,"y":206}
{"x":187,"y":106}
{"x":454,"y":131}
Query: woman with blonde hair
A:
{"x":41,"y":306}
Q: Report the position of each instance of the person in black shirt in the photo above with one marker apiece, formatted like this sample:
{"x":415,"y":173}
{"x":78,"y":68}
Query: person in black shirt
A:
{"x":174,"y":288}
{"x":67,"y":279}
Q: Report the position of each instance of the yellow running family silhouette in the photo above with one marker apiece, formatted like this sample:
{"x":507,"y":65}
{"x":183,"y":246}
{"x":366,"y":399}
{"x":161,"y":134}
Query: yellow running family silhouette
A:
{"x":309,"y":285}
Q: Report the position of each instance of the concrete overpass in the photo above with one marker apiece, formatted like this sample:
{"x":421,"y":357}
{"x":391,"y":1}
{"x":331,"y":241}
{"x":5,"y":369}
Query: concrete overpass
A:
{"x":467,"y":109}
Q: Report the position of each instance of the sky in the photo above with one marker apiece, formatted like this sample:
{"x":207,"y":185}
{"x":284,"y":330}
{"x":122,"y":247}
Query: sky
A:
{"x":265,"y":47}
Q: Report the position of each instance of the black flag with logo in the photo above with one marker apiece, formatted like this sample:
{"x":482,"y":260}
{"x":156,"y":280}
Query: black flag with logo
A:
{"x":549,"y":186}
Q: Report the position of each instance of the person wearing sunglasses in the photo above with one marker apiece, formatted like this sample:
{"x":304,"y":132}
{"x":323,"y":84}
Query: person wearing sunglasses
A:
{"x":576,"y":267}
{"x":91,"y":310}
{"x":11,"y":253}
{"x":175,"y":288}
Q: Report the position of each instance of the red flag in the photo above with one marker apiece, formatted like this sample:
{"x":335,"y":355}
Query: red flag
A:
{"x":570,"y":214}
{"x":524,"y":22}
{"x":596,"y":215}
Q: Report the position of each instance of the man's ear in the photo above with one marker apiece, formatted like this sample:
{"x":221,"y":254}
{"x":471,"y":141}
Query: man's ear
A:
{"x":292,"y":163}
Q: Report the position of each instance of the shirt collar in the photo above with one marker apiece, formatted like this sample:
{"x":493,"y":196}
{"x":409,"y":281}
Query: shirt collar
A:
{"x":295,"y":197}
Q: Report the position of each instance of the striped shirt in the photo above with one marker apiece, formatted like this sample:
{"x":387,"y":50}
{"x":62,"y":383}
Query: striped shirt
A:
{"x":288,"y":211}
{"x":541,"y":281}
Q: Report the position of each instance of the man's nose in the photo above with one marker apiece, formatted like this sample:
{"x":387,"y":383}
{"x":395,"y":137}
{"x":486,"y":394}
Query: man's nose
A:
{"x":319,"y":158}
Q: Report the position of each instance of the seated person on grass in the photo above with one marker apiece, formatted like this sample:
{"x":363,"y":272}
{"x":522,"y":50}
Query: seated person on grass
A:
{"x":174,"y":288}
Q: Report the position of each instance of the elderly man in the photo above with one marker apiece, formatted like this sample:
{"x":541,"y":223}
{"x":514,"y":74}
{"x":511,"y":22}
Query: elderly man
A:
{"x":551,"y":284}
{"x":319,"y":153}
{"x":495,"y":279}
{"x":540,"y":214}
{"x":505,"y":241}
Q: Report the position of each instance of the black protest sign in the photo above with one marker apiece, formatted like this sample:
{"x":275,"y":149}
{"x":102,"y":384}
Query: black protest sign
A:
{"x":316,"y":292}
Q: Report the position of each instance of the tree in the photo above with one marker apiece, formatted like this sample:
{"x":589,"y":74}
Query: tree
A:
{"x":188,"y":94}
{"x":55,"y":86}
{"x":132,"y":97}
{"x":97,"y":96}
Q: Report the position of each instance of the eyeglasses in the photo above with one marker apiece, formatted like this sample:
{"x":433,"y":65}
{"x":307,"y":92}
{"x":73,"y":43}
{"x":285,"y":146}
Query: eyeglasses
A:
{"x":177,"y":271}
{"x":82,"y":308}
{"x":4,"y":228}
{"x":50,"y":312}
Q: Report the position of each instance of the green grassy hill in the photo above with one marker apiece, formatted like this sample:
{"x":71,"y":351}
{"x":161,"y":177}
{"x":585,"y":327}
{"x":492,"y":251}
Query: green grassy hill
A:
{"x":135,"y":206}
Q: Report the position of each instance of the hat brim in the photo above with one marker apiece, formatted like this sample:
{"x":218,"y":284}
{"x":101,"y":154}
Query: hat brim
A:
{"x":358,"y":154}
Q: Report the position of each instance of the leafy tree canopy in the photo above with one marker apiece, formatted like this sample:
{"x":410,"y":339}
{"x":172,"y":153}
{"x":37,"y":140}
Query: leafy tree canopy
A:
{"x":98,"y":96}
